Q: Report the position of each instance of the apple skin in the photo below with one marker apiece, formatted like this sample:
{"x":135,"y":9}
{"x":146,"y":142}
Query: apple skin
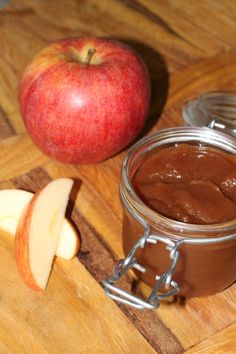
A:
{"x":22,"y":246}
{"x":79,"y":110}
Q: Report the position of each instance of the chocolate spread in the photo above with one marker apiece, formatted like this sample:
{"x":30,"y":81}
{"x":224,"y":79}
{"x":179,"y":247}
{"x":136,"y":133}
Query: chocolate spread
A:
{"x":195,"y":185}
{"x":189,"y":183}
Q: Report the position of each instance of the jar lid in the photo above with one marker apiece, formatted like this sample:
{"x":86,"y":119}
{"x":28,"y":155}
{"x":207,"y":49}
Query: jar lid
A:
{"x":215,"y":110}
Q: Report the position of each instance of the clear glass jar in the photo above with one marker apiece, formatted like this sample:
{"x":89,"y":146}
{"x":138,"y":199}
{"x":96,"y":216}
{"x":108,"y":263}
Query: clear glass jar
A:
{"x":172,"y":256}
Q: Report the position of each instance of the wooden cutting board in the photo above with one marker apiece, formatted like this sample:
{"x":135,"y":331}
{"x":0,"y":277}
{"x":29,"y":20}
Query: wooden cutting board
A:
{"x":73,"y":315}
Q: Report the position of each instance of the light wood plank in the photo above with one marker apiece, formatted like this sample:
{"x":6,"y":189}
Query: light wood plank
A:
{"x":17,"y":155}
{"x":223,"y":342}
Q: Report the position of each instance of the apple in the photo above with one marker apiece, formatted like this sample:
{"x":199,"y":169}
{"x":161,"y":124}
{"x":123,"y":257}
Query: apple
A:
{"x":38,"y":232}
{"x":84,"y":99}
{"x":69,"y":242}
{"x":12,"y":204}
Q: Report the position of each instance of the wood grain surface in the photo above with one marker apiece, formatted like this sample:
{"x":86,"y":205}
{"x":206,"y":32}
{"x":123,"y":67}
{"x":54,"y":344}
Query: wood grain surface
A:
{"x":189,"y":47}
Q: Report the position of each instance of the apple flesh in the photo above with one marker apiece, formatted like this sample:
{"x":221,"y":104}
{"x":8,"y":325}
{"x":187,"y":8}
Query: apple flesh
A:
{"x":12,"y":204}
{"x":38,"y":232}
{"x":84,"y":99}
{"x":69,"y":242}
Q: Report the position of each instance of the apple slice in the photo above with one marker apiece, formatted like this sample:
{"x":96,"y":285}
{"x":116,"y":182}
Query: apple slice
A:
{"x":38,"y":232}
{"x":13,"y":202}
{"x":69,"y":242}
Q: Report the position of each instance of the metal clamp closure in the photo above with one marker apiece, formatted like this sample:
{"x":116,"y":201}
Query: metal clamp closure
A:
{"x":124,"y":265}
{"x":215,"y":110}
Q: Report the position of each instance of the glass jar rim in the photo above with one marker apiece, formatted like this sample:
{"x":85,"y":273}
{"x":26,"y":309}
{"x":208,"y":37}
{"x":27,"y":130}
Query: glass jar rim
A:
{"x":173,"y":135}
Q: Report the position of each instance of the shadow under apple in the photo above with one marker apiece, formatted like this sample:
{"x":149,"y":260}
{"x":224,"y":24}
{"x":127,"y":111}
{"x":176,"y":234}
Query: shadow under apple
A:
{"x":159,"y":76}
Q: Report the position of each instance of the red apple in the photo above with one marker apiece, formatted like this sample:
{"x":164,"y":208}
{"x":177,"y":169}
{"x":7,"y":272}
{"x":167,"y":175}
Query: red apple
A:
{"x":84,"y":99}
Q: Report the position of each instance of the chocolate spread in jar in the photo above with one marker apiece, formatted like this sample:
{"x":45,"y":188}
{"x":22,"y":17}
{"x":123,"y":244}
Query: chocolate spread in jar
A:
{"x":189,"y":183}
{"x":196,"y":185}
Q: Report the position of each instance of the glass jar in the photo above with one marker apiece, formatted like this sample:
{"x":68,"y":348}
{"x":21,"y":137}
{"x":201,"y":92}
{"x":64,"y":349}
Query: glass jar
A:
{"x":170,"y":256}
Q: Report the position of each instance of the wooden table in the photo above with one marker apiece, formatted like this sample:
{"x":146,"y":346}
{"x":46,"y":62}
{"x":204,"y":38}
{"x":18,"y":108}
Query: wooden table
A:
{"x":189,"y":47}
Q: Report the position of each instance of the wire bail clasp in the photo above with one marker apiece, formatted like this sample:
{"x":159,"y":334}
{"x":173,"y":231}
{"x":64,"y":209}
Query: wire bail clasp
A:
{"x":124,"y":265}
